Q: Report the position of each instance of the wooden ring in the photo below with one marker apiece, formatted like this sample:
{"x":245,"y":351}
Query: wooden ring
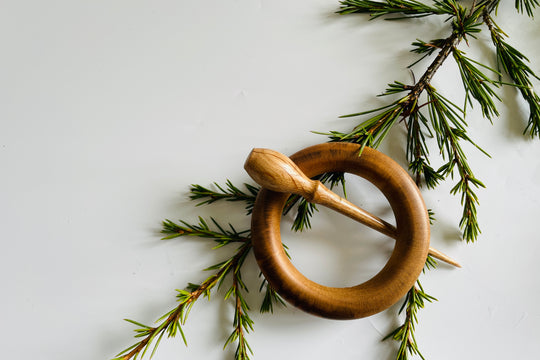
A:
{"x":386,"y":287}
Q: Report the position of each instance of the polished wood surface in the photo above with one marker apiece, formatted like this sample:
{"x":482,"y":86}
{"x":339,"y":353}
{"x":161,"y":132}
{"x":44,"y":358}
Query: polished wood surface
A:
{"x":400,"y":272}
{"x":275,"y":171}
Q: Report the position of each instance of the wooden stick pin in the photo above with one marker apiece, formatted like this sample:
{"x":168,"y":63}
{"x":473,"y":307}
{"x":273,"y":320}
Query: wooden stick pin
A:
{"x":277,"y":172}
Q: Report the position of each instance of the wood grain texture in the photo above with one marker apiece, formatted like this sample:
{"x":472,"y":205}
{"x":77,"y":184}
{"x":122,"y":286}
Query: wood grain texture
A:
{"x":275,"y":171}
{"x":401,"y":270}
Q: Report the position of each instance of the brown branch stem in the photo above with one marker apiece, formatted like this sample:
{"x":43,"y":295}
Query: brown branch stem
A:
{"x":425,"y":80}
{"x":194,"y":296}
{"x":239,"y":313}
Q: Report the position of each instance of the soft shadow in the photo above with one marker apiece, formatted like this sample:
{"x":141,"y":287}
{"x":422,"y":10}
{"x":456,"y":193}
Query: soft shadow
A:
{"x":516,"y":118}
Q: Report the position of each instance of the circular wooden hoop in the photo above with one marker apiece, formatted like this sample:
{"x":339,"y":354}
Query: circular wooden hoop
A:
{"x":386,"y":287}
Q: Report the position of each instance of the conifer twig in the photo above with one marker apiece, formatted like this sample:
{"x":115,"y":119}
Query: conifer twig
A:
{"x":443,"y":120}
{"x":513,"y":62}
{"x":403,"y":8}
{"x":229,"y":192}
{"x":404,"y":334}
{"x":271,"y":297}
{"x":527,"y":5}
{"x":242,"y":322}
{"x":171,"y":323}
{"x":423,"y":110}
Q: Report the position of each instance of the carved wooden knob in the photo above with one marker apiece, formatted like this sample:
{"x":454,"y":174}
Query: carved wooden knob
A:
{"x":411,"y":233}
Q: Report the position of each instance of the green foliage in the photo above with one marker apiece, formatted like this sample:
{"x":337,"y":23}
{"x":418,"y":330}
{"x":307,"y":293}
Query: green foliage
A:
{"x":431,"y":263}
{"x":271,"y":298}
{"x":437,"y":117}
{"x":417,"y":151}
{"x":404,"y":334}
{"x":373,"y":131}
{"x":449,"y":128}
{"x":222,"y":236}
{"x":465,"y":21}
{"x":171,"y":323}
{"x":477,"y":84}
{"x":425,"y":113}
{"x":242,"y":323}
{"x":514,"y":64}
{"x":304,"y":212}
{"x":229,"y":192}
{"x":405,"y":8}
{"x":526,"y":5}
{"x":426,"y":48}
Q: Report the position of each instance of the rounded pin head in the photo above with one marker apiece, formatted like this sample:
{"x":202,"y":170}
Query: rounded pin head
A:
{"x":276,"y":172}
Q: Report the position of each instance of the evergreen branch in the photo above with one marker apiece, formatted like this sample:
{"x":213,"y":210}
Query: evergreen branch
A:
{"x":448,"y":127}
{"x":242,"y":323}
{"x":465,"y":22}
{"x":446,"y":118}
{"x":406,"y":104}
{"x":232,"y":193}
{"x":373,"y":131}
{"x":445,"y":46}
{"x":527,"y":5}
{"x":426,"y":48}
{"x":304,"y":212}
{"x":436,"y":117}
{"x":408,"y":8}
{"x":513,"y":62}
{"x":477,"y":84}
{"x":334,"y":179}
{"x":271,"y":297}
{"x":422,"y":47}
{"x":222,"y":236}
{"x":404,"y":334}
{"x":229,"y":192}
{"x":417,"y":152}
{"x":431,"y":263}
{"x":171,"y":323}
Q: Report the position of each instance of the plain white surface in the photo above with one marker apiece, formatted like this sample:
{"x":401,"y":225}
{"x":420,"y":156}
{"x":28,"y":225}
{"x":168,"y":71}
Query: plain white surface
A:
{"x":110,"y":109}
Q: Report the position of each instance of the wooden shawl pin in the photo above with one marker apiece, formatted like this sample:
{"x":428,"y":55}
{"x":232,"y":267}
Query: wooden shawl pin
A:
{"x":277,"y":172}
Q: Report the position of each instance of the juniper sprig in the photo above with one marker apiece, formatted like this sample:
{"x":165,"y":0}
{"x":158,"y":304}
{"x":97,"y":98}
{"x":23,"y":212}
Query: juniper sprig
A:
{"x":228,"y":192}
{"x":426,"y":113}
{"x":404,"y":334}
{"x":171,"y":323}
{"x":427,"y":116}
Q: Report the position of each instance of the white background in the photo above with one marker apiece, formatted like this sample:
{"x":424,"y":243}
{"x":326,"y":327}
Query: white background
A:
{"x":110,"y":109}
